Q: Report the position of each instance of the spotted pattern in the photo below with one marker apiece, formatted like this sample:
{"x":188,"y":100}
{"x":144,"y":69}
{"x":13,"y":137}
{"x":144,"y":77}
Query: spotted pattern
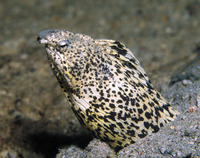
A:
{"x":106,"y":87}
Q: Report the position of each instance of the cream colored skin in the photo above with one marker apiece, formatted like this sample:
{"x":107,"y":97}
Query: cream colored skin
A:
{"x":106,"y":87}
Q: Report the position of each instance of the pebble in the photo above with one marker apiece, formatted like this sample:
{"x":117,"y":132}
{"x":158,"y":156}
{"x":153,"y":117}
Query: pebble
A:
{"x":186,"y":82}
{"x":198,"y":100}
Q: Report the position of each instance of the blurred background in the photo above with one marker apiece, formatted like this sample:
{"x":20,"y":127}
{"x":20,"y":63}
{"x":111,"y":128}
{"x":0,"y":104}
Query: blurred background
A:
{"x":35,"y":120}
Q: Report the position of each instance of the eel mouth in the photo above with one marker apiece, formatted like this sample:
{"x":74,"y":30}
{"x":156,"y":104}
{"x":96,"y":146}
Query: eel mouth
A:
{"x":54,"y":64}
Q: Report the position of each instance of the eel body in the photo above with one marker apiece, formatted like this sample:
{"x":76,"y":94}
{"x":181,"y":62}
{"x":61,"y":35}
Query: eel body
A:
{"x":107,"y":89}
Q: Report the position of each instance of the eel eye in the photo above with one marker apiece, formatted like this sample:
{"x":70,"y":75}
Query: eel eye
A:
{"x":63,"y":43}
{"x":62,"y":46}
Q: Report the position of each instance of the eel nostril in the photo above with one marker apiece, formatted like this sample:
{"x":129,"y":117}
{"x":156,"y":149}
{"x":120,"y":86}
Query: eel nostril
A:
{"x":38,"y":38}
